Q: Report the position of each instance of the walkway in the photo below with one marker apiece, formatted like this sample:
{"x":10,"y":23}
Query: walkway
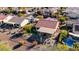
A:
{"x":77,"y":35}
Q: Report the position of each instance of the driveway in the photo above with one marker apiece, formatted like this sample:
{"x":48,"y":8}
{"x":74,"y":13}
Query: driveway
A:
{"x":5,"y":38}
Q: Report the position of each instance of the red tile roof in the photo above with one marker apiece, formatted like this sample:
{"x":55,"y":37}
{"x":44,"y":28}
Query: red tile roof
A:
{"x":2,"y":17}
{"x":47,"y":24}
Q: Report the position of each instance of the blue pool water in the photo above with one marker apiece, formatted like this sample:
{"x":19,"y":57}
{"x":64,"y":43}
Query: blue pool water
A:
{"x":69,"y":41}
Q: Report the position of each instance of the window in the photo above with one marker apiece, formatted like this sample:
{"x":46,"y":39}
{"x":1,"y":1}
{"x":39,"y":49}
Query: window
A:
{"x":37,"y":28}
{"x":76,"y":27}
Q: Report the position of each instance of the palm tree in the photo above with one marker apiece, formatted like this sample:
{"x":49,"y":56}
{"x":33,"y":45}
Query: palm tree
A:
{"x":63,"y":34}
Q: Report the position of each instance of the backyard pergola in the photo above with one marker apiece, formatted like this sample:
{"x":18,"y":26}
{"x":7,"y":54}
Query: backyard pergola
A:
{"x":46,"y":30}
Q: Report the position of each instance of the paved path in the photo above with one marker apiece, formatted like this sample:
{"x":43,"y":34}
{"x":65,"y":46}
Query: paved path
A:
{"x":77,"y":35}
{"x":5,"y":38}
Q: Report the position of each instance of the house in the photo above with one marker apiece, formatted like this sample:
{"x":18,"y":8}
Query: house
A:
{"x":74,"y":24}
{"x":54,"y":9}
{"x":19,"y":21}
{"x":30,"y":18}
{"x":4,"y":18}
{"x":3,"y":8}
{"x":51,"y":19}
{"x":47,"y":26}
{"x":76,"y":28}
{"x":72,"y":12}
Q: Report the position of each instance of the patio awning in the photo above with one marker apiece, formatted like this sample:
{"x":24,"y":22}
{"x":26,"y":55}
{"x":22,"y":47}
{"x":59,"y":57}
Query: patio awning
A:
{"x":46,"y":30}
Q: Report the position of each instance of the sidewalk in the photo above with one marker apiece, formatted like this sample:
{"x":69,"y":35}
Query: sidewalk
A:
{"x":74,"y":34}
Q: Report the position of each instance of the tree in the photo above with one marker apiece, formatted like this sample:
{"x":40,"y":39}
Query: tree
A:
{"x":76,"y":45}
{"x":28,"y":28}
{"x":22,"y":8}
{"x":40,"y":17}
{"x":63,"y":34}
{"x":21,"y":14}
{"x":6,"y":11}
{"x":62,"y":19}
{"x":10,"y":8}
{"x":4,"y":46}
{"x":59,"y":12}
{"x":56,"y":15}
{"x":14,"y":12}
{"x":62,"y":47}
{"x":61,"y":9}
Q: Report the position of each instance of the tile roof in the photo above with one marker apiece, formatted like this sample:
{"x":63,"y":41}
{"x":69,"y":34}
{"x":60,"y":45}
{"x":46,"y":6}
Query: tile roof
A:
{"x":51,"y":19}
{"x":47,"y":24}
{"x":17,"y":20}
{"x":73,"y":12}
{"x":2,"y":17}
{"x":71,"y":21}
{"x":46,"y":30}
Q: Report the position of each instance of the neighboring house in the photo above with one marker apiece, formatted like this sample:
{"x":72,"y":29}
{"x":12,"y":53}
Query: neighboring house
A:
{"x":47,"y":26}
{"x":5,"y":18}
{"x":51,"y":19}
{"x":74,"y":24}
{"x":54,"y":9}
{"x":72,"y":15}
{"x":76,"y":28}
{"x":46,"y":12}
{"x":2,"y":17}
{"x":8,"y":18}
{"x":3,"y":8}
{"x":30,"y":18}
{"x":19,"y":21}
{"x":72,"y":12}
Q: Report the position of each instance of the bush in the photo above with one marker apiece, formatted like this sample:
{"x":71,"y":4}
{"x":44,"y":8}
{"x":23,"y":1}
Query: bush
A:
{"x":63,"y":28}
{"x":40,"y":17}
{"x":21,"y":14}
{"x":63,"y":34}
{"x":28,"y":28}
{"x":4,"y":46}
{"x":62,"y":47}
{"x":62,"y":19}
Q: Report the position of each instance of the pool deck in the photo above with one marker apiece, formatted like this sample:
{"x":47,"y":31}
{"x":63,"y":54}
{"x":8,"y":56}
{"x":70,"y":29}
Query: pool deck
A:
{"x":77,"y":35}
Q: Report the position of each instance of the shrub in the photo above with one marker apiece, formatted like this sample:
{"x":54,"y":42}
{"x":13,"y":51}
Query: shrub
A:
{"x":62,"y":19}
{"x":28,"y":28}
{"x":4,"y":46}
{"x":63,"y":34}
